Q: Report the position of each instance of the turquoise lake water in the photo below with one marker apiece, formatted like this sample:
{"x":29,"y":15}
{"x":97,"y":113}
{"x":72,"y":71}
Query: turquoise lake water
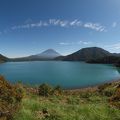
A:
{"x":65,"y":74}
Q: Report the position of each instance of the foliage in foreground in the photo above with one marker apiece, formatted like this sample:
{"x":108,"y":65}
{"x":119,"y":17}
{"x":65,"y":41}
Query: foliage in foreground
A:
{"x":10,"y":97}
{"x":84,"y":104}
{"x":47,"y":90}
{"x":111,"y":90}
{"x":53,"y":103}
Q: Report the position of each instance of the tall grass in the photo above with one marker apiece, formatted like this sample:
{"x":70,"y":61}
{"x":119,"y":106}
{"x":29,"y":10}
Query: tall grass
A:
{"x":66,"y":108}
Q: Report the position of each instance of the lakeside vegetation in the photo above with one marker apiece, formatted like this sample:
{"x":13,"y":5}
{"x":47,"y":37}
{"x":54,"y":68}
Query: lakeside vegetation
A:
{"x":19,"y":102}
{"x":10,"y":99}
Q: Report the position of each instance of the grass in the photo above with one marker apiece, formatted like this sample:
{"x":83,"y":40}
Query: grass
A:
{"x":67,"y":107}
{"x":19,"y":102}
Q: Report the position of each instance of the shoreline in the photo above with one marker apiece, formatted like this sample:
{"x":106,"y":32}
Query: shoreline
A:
{"x":92,"y":86}
{"x":79,"y":89}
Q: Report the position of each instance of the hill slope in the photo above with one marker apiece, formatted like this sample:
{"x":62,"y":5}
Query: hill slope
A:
{"x":106,"y":60}
{"x":3,"y":58}
{"x":86,"y":54}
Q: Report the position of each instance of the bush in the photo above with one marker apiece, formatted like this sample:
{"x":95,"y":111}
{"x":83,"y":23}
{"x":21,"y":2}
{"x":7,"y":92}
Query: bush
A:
{"x":51,"y":115}
{"x":104,"y":86}
{"x":19,"y":94}
{"x":73,"y":100}
{"x":85,"y":94}
{"x":57,"y":90}
{"x":115,"y":99}
{"x":9,"y":98}
{"x":45,"y":90}
{"x":109,"y":91}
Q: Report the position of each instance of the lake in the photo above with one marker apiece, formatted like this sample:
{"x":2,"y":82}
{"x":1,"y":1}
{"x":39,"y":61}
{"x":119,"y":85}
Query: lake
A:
{"x":65,"y":74}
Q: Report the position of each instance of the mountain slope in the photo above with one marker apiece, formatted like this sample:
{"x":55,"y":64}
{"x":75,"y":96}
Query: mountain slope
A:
{"x":106,"y":60}
{"x":3,"y":58}
{"x":86,"y":54}
{"x":49,"y":54}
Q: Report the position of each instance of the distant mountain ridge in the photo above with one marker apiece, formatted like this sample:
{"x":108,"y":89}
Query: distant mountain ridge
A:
{"x":89,"y":54}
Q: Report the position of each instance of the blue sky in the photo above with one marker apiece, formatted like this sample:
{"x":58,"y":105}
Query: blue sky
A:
{"x":31,"y":26}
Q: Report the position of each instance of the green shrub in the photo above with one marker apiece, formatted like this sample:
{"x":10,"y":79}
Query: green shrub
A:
{"x":115,"y":99}
{"x":57,"y":90}
{"x":73,"y":100}
{"x":52,"y":117}
{"x":104,"y":86}
{"x":45,"y":90}
{"x":109,"y":91}
{"x":85,"y":94}
{"x":10,"y":97}
{"x":19,"y":94}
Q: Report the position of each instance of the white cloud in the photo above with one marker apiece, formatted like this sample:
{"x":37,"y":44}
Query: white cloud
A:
{"x":63,"y":24}
{"x":84,"y":42}
{"x":39,"y":24}
{"x":58,"y":22}
{"x":66,"y":43}
{"x":32,"y":25}
{"x":54,"y":21}
{"x":76,"y":23}
{"x":20,"y":27}
{"x":95,"y":26}
{"x":115,"y":46}
{"x":76,"y":43}
{"x":114,"y":24}
{"x":73,"y":22}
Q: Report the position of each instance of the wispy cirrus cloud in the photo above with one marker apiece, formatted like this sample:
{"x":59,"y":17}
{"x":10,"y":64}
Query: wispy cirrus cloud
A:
{"x":20,"y":27}
{"x":76,"y":22}
{"x":32,"y":25}
{"x":95,"y":26}
{"x":62,"y":23}
{"x":65,"y":23}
